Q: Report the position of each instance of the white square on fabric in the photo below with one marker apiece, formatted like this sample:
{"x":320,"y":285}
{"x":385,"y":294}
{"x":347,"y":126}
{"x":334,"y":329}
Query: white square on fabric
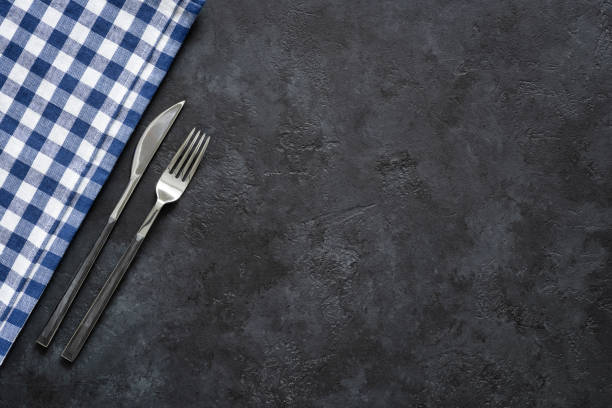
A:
{"x":95,"y":7}
{"x":162,"y":42}
{"x":58,"y":134}
{"x":150,"y":35}
{"x":69,"y":179}
{"x":62,"y":61}
{"x":18,"y":73}
{"x":79,"y":33}
{"x":99,"y":157}
{"x":5,"y":102}
{"x":30,"y":118}
{"x":41,"y":163}
{"x":134,"y":64}
{"x":90,"y":77}
{"x":52,"y":16}
{"x":129,"y":101}
{"x":35,"y":45}
{"x":107,"y":49}
{"x":101,"y":121}
{"x":8,"y":29}
{"x":10,"y":220}
{"x":14,"y":147}
{"x":6,"y":293}
{"x":166,"y":8}
{"x":74,"y":105}
{"x":21,"y":265}
{"x":85,"y":150}
{"x":117,"y":92}
{"x":24,"y":4}
{"x":123,"y":20}
{"x":26,"y":192}
{"x":37,"y":236}
{"x":46,"y":90}
{"x":3,"y":175}
{"x":115,"y":127}
{"x":53,"y":207}
{"x":146,"y":72}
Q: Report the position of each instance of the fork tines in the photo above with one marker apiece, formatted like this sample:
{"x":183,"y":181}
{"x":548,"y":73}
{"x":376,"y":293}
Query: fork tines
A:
{"x":189,"y":155}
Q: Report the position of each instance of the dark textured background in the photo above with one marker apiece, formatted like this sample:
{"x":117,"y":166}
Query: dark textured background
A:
{"x":405,"y":203}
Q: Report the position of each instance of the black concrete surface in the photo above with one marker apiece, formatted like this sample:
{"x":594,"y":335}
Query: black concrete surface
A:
{"x":405,"y":203}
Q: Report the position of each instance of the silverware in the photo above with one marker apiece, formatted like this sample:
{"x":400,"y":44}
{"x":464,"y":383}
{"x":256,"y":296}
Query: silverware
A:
{"x":147,"y":146}
{"x":170,"y":187}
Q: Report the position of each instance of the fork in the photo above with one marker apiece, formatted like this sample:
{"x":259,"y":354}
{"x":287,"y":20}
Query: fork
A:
{"x":171,"y":185}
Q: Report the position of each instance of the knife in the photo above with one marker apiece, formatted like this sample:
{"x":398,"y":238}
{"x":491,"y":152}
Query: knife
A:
{"x":147,"y":146}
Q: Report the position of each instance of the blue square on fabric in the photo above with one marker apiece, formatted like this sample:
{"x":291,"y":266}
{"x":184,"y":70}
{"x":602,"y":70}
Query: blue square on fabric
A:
{"x":73,"y":10}
{"x":8,"y":124}
{"x":16,"y":242}
{"x":35,"y":289}
{"x":4,"y":271}
{"x":145,"y":13}
{"x":4,"y":8}
{"x":64,"y":156}
{"x":113,"y":70}
{"x":36,"y":141}
{"x":20,"y":169}
{"x":101,"y":27}
{"x":68,"y":83}
{"x":50,"y":260}
{"x":179,"y":33}
{"x":29,"y":22}
{"x":48,"y":185}
{"x":40,"y":67}
{"x":67,"y":232}
{"x":52,"y":112}
{"x":117,"y":3}
{"x":85,"y":55}
{"x":129,"y":42}
{"x":83,"y":204}
{"x":164,"y":61}
{"x":57,"y":39}
{"x":80,"y":128}
{"x":100,"y":176}
{"x":17,"y":317}
{"x":5,"y":198}
{"x":12,"y":51}
{"x":96,"y":99}
{"x":32,"y":214}
{"x":193,"y":7}
{"x":3,"y":79}
{"x":24,"y":96}
{"x":132,"y":118}
{"x":4,"y":344}
{"x":148,"y":90}
{"x":116,"y":147}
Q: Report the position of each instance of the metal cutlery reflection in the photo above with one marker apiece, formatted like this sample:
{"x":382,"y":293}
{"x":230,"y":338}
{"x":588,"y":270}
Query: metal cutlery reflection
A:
{"x":170,"y":187}
{"x":147,"y":146}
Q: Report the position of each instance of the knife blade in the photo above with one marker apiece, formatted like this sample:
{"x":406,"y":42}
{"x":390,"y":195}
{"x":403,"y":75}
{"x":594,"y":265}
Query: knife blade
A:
{"x":148,"y":144}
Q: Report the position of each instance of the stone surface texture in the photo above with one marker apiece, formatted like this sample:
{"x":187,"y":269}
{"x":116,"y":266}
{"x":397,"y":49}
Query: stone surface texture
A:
{"x":405,"y":204}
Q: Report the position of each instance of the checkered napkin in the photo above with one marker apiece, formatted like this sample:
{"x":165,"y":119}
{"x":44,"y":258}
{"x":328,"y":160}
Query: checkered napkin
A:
{"x":75,"y":77}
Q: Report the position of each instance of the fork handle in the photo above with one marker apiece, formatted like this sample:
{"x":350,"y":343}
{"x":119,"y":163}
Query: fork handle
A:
{"x":78,"y":339}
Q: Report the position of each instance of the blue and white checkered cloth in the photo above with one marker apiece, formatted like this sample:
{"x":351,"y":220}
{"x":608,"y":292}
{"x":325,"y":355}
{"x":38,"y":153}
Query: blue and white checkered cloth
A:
{"x":75,"y":77}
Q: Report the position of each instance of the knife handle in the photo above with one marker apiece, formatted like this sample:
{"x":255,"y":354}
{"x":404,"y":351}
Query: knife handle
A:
{"x":96,"y":310}
{"x":64,"y":304}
